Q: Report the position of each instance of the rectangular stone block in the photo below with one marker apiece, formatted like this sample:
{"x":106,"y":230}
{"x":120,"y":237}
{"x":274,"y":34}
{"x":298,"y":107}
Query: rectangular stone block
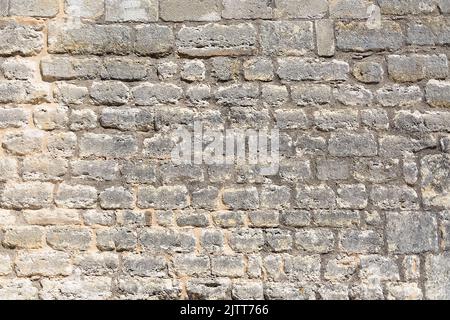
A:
{"x":356,"y":36}
{"x":20,"y":39}
{"x":34,"y":8}
{"x":325,"y":42}
{"x":416,"y":67}
{"x":90,"y":9}
{"x":47,"y":263}
{"x":79,"y":39}
{"x":195,"y":10}
{"x":305,"y":9}
{"x":392,"y":197}
{"x":437,"y":276}
{"x":437,"y":93}
{"x":153,"y":40}
{"x":131,"y":11}
{"x":286,"y":37}
{"x":298,"y":69}
{"x":111,"y":146}
{"x":411,"y":232}
{"x":27,"y":195}
{"x":217,"y":40}
{"x":246,"y":9}
{"x":350,"y":9}
{"x":347,"y":144}
{"x":167,"y":197}
{"x":400,"y":7}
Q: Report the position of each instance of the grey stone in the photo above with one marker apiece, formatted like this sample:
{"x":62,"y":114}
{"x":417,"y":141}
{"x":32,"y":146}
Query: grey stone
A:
{"x":50,"y":117}
{"x":416,"y":67}
{"x":21,"y":39}
{"x":329,"y":120}
{"x":116,"y":198}
{"x":97,"y":264}
{"x":437,"y":93}
{"x":209,"y":289}
{"x":166,"y":197}
{"x":44,"y":168}
{"x":167,"y":240}
{"x":224,"y":69}
{"x":27,"y":195}
{"x":69,"y":238}
{"x":360,"y":241}
{"x":435,"y":180}
{"x":144,"y":265}
{"x":303,"y":268}
{"x":136,"y":11}
{"x":193,"y":70}
{"x":437,"y":275}
{"x":23,"y":237}
{"x":315,"y":240}
{"x":197,"y":10}
{"x":410,"y":232}
{"x":258,"y":69}
{"x":34,"y":8}
{"x":154,"y":40}
{"x":396,"y":95}
{"x":23,"y":143}
{"x":119,"y":239}
{"x":352,"y":196}
{"x":192,"y":265}
{"x":228,"y":266}
{"x":13,"y":118}
{"x":301,"y":8}
{"x":246,"y":198}
{"x":98,"y":170}
{"x":332,"y":169}
{"x":19,"y":69}
{"x":344,"y":144}
{"x":76,"y":196}
{"x":217,"y":39}
{"x":368,"y":72}
{"x":315,"y":197}
{"x":325,"y":39}
{"x":148,"y":288}
{"x":392,"y":197}
{"x":109,"y":93}
{"x":79,"y":39}
{"x":297,"y":69}
{"x":311,"y":95}
{"x":248,"y":290}
{"x":90,"y":9}
{"x":104,"y":145}
{"x":399,"y":7}
{"x":358,"y":37}
{"x":246,"y":9}
{"x":43,"y":263}
{"x":336,"y":218}
{"x":286,"y":37}
{"x":148,"y":94}
{"x":349,"y":9}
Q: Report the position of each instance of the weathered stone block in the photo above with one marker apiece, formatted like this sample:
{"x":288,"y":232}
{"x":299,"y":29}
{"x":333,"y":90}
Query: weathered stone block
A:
{"x":410,"y":232}
{"x":358,"y":37}
{"x":286,"y":37}
{"x":217,"y":40}
{"x":131,"y":11}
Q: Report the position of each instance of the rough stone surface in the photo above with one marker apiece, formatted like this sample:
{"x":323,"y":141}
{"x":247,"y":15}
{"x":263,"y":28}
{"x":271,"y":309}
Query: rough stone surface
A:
{"x":105,"y":106}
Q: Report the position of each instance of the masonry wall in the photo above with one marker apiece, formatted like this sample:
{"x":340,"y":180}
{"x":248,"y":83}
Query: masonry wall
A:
{"x":92,"y":207}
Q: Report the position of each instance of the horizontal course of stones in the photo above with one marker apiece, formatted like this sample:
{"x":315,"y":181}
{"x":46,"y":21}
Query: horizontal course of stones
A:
{"x":93,"y":208}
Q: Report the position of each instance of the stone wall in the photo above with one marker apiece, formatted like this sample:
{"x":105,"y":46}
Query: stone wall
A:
{"x":92,"y":207}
